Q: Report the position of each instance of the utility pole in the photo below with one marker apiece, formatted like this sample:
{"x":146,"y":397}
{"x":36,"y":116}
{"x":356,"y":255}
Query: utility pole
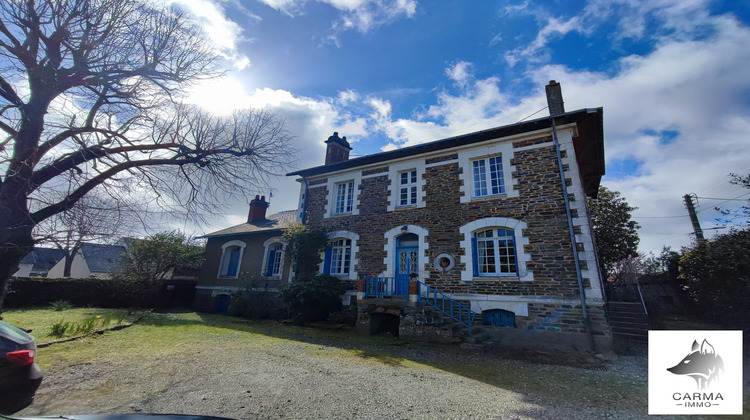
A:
{"x":694,"y":218}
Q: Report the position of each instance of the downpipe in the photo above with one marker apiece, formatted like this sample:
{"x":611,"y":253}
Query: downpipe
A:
{"x":582,"y":292}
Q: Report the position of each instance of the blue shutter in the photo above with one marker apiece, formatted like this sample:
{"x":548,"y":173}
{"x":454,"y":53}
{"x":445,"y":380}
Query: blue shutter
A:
{"x":271,"y":259}
{"x":327,"y":261}
{"x":475,"y":257}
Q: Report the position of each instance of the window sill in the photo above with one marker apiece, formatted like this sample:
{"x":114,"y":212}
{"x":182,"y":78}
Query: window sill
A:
{"x":341,"y":214}
{"x":512,"y":277}
{"x":406,"y":207}
{"x":489,"y":197}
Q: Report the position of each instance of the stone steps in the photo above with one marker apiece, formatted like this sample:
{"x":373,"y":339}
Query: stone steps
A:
{"x":628,"y":321}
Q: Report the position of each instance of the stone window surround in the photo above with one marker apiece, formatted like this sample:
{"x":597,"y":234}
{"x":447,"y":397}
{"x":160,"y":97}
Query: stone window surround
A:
{"x":522,"y":257}
{"x":332,"y":181}
{"x":224,"y":261}
{"x":465,"y":158}
{"x":354,"y":261}
{"x":394,"y":173}
{"x":267,"y":249}
{"x":390,"y":250}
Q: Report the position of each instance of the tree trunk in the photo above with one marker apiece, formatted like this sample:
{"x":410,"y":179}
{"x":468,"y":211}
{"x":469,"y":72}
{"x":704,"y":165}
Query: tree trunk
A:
{"x":14,"y":245}
{"x":69,"y":257}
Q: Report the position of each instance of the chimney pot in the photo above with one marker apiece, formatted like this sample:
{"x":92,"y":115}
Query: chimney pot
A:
{"x":337,"y":149}
{"x":258,"y":208}
{"x":555,"y":102}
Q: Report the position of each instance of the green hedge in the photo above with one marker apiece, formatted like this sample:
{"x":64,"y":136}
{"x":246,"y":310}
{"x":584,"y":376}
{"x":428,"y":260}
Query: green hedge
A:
{"x":103,"y":293}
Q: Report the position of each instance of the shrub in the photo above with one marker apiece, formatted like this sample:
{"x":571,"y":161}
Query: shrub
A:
{"x":347,"y":316}
{"x":61,"y":305}
{"x":313,"y":300}
{"x":716,"y":275}
{"x":59,"y":328}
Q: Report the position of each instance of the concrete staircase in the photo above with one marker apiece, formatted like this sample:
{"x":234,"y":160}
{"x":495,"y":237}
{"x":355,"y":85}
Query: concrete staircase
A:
{"x":629,"y":322}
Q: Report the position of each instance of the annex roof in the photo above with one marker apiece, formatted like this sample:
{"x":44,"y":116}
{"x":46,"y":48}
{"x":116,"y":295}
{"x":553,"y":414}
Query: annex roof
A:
{"x":276,"y":221}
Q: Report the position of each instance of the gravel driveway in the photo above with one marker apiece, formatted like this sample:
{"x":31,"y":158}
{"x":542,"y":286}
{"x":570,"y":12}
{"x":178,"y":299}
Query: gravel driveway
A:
{"x":303,"y":373}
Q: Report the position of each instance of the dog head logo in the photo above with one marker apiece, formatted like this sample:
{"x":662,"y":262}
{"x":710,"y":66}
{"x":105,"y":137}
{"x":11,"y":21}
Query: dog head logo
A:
{"x":702,"y":364}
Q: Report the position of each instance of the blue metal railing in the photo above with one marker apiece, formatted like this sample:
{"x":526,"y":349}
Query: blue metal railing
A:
{"x":380,"y":287}
{"x":438,"y":300}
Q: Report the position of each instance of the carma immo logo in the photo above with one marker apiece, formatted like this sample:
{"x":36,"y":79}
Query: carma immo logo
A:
{"x":695,"y":372}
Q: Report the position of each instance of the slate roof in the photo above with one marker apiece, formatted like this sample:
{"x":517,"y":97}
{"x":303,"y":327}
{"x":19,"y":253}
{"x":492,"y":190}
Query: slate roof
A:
{"x":101,"y":258}
{"x":589,"y":146}
{"x":43,"y":258}
{"x":276,"y":221}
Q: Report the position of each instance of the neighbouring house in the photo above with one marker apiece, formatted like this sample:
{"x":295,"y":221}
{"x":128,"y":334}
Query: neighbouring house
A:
{"x":479,"y":225}
{"x":91,"y":260}
{"x":248,"y":255}
{"x":39,"y":261}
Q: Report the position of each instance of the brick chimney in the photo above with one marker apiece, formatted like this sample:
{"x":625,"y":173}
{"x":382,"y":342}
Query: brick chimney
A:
{"x":337,"y":150}
{"x":258,"y":208}
{"x":555,"y":102}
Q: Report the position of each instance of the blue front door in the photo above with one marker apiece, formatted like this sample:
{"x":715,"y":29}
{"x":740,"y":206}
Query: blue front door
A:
{"x":406,"y":263}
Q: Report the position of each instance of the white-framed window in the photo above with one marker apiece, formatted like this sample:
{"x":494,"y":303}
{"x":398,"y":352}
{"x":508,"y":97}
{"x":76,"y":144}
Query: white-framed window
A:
{"x":487,"y":176}
{"x":344,"y":197}
{"x":275,"y":253}
{"x":495,"y":252}
{"x":340,"y":257}
{"x":407,"y":188}
{"x":495,"y":247}
{"x":487,"y":172}
{"x":231,"y":258}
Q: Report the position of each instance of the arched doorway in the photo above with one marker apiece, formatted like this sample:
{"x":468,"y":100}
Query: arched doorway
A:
{"x":407,"y":256}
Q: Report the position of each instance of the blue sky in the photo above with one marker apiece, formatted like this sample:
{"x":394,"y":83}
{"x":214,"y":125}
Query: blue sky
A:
{"x":670,"y":74}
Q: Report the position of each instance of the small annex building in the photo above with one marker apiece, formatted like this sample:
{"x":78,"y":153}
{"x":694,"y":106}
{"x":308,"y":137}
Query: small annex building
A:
{"x":246,"y":256}
{"x":492,"y":224}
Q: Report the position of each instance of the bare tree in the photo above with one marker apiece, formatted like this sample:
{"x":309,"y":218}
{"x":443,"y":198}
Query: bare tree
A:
{"x":89,"y":94}
{"x":91,"y":219}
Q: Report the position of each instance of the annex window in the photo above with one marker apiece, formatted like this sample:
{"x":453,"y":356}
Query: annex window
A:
{"x":231,"y":258}
{"x":407,"y":188}
{"x":338,"y":257}
{"x":273,"y":264}
{"x":344,"y":197}
{"x":488,"y":176}
{"x":494,"y":252}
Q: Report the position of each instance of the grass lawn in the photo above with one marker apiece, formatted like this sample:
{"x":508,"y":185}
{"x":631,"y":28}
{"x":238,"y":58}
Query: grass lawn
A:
{"x":45,"y":321}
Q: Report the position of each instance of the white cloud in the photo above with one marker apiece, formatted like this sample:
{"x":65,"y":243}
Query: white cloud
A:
{"x":224,"y":33}
{"x":697,"y":88}
{"x":459,"y":73}
{"x":554,"y":27}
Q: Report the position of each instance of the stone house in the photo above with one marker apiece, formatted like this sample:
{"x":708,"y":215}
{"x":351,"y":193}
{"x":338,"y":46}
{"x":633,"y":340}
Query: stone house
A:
{"x":248,"y":255}
{"x":482,"y":223}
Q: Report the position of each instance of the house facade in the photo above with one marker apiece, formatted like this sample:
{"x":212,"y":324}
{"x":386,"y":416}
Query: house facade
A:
{"x":484,"y":219}
{"x":248,"y":255}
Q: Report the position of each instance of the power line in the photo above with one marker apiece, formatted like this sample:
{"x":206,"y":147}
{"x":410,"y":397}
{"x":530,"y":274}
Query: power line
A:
{"x":658,"y":217}
{"x":726,"y":199}
{"x":529,"y":116}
